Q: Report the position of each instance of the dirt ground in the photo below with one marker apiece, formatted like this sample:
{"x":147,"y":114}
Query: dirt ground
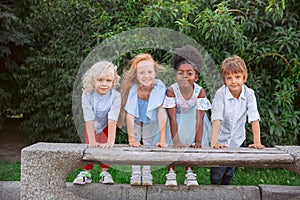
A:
{"x":12,"y":140}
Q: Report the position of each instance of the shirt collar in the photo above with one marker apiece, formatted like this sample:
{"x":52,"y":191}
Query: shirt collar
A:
{"x":228,"y":94}
{"x":96,"y":95}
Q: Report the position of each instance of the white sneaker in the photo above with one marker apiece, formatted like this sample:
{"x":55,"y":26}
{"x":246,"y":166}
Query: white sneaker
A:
{"x":147,"y":179}
{"x":190,"y":179}
{"x":171,"y":179}
{"x":135,"y":179}
{"x":83,"y":178}
{"x":106,"y":178}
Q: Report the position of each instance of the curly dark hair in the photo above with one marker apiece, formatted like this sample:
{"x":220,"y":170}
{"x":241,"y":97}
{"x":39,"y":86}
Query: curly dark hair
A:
{"x":187,"y":54}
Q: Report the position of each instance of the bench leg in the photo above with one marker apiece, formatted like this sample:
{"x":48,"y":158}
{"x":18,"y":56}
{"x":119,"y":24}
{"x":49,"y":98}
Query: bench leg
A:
{"x":44,"y":168}
{"x":295,"y":152}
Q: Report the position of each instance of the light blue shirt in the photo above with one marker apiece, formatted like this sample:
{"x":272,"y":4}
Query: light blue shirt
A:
{"x":233,"y":112}
{"x":143,"y":105}
{"x":101,"y":108}
{"x":156,"y":99}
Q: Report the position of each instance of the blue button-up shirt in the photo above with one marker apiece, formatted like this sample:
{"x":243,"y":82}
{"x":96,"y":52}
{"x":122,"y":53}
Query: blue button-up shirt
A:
{"x":233,"y":112}
{"x":101,"y":108}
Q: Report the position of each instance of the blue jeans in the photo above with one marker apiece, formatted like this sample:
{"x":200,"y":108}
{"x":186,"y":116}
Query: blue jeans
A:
{"x":221,"y":175}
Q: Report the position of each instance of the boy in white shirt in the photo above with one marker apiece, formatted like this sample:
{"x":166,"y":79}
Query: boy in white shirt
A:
{"x":232,"y":103}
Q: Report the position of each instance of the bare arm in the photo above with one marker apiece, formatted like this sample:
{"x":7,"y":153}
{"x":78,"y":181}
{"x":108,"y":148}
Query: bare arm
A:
{"x":199,"y":123}
{"x":215,"y":134}
{"x":162,"y":122}
{"x":256,"y":136}
{"x":173,"y":122}
{"x":199,"y":128}
{"x":112,"y":126}
{"x":130,"y":130}
{"x":89,"y":125}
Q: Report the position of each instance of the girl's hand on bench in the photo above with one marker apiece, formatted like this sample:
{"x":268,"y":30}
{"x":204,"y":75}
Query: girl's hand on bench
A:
{"x":220,"y":146}
{"x":178,"y":145}
{"x":196,"y":145}
{"x":162,"y":144}
{"x":134,"y":144}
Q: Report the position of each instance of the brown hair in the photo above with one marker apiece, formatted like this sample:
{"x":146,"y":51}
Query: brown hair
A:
{"x":130,"y":80}
{"x":233,"y":65}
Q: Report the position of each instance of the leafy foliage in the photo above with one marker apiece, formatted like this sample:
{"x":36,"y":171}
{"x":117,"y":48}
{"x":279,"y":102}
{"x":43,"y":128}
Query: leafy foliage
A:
{"x":13,"y":41}
{"x":264,"y":33}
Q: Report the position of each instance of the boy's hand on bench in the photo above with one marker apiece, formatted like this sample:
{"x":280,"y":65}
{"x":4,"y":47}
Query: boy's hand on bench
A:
{"x":94,"y":144}
{"x":106,"y":145}
{"x":256,"y":146}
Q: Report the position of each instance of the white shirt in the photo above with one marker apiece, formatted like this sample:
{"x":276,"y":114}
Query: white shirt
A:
{"x":233,"y":112}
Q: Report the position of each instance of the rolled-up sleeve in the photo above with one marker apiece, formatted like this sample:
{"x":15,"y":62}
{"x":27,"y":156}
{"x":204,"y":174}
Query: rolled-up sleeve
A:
{"x":131,"y":105}
{"x":87,"y":107}
{"x":252,"y":110}
{"x":217,"y":110}
{"x":114,"y":112}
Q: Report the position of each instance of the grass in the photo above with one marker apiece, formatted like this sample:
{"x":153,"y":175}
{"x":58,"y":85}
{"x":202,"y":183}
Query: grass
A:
{"x":10,"y":171}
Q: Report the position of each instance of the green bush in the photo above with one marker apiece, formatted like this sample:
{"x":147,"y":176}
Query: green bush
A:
{"x":13,"y":43}
{"x":62,"y":33}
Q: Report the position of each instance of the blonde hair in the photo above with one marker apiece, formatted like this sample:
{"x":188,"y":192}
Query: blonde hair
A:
{"x":130,"y":80}
{"x":233,"y":65}
{"x":97,"y":71}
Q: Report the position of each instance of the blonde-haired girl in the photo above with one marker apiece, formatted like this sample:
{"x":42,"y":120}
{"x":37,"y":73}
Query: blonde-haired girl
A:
{"x":146,"y":119}
{"x":101,"y":107}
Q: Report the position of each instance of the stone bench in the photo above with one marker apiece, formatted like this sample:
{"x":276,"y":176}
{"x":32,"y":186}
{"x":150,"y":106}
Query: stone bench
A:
{"x":45,"y":166}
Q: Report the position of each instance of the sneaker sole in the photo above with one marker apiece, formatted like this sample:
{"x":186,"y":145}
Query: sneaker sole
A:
{"x":192,"y":185}
{"x":82,"y":183}
{"x":136,"y":183}
{"x":171,"y":185}
{"x":107,"y":183}
{"x":78,"y":183}
{"x":146,"y":184}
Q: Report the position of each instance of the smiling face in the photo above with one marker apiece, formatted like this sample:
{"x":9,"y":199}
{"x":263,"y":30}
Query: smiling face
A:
{"x":104,"y":85}
{"x":145,"y":73}
{"x":186,"y":75}
{"x":234,"y":74}
{"x":235,"y":82}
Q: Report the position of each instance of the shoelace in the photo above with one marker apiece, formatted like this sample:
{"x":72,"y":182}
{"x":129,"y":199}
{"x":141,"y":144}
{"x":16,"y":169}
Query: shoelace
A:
{"x":84,"y":174}
{"x":171,"y":176}
{"x":191,"y":176}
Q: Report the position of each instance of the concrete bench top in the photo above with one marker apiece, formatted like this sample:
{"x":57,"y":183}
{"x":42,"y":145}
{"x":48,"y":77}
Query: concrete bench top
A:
{"x":151,"y":155}
{"x":45,"y":166}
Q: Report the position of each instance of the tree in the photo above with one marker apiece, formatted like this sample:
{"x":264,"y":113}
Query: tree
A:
{"x":13,"y":45}
{"x":265,"y":34}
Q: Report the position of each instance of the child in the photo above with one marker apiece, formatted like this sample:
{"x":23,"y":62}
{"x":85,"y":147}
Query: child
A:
{"x":231,"y":104}
{"x":142,"y":98}
{"x":186,"y":104}
{"x":101,"y":107}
